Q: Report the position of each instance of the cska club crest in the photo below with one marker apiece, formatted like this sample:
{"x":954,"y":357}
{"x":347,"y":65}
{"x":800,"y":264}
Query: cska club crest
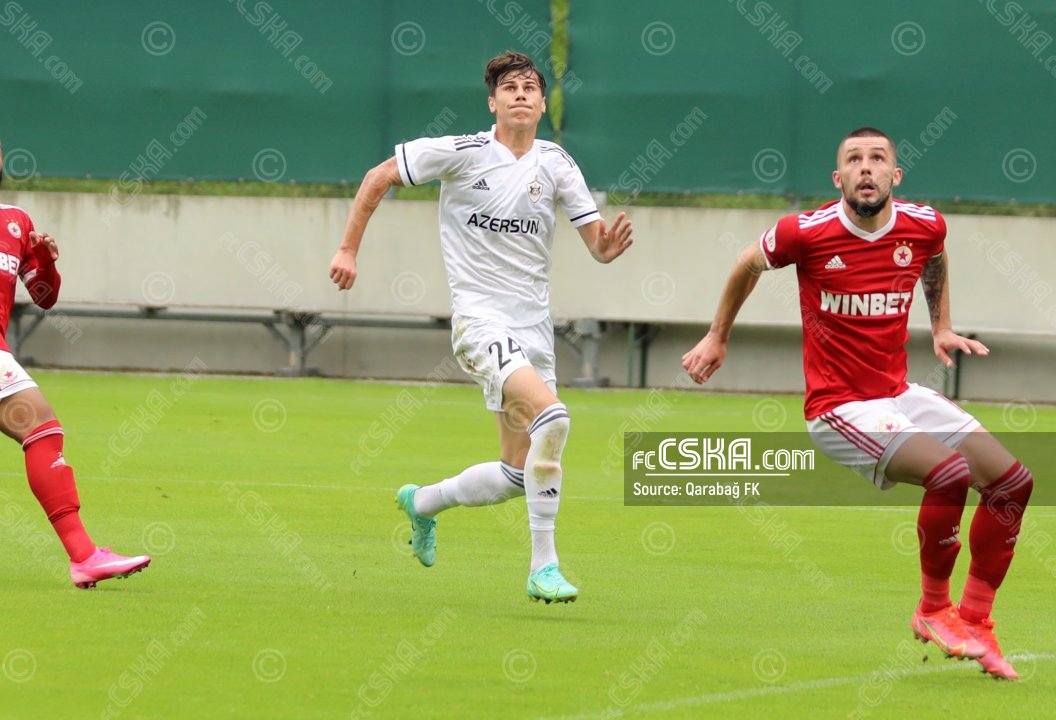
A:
{"x":7,"y":376}
{"x":888,"y":425}
{"x":14,"y":229}
{"x":903,"y":255}
{"x":535,"y":190}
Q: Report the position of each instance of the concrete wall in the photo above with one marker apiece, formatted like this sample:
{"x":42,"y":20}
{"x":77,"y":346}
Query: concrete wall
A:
{"x":269,"y":253}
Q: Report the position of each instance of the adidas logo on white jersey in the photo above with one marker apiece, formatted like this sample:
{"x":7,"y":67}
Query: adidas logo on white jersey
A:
{"x":835,"y":264}
{"x":481,"y":184}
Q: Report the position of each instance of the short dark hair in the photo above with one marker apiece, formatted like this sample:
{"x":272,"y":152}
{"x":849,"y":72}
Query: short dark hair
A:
{"x":868,"y":132}
{"x":510,"y":62}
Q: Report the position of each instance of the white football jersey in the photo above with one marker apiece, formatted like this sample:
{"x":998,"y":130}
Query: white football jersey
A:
{"x":497,"y":216}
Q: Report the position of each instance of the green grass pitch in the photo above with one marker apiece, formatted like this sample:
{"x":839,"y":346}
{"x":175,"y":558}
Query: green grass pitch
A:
{"x":282,"y":585}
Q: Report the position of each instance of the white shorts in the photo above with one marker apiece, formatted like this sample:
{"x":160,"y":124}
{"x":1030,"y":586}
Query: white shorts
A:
{"x":865,"y":435}
{"x":490,"y":352}
{"x":13,"y":377}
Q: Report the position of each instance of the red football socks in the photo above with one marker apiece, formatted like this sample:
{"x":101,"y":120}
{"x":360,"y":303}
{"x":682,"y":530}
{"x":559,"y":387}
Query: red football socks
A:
{"x":51,"y":481}
{"x":992,"y":539}
{"x":977,"y":599}
{"x":935,"y":593}
{"x":938,"y":527}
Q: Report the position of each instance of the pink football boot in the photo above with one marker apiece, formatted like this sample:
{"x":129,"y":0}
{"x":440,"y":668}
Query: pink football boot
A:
{"x":103,"y":565}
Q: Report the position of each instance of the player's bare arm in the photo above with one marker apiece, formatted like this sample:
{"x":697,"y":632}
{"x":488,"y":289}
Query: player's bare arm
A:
{"x":607,"y":244}
{"x":707,"y":356}
{"x":936,"y":283}
{"x":376,"y":183}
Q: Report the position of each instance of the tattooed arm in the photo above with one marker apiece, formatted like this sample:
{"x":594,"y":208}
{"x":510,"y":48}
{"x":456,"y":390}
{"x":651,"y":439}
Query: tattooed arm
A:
{"x":936,"y":283}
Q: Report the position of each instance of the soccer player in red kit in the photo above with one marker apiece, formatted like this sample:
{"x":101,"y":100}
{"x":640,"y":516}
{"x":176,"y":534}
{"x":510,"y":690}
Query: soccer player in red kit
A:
{"x":858,"y":260}
{"x":28,"y":418}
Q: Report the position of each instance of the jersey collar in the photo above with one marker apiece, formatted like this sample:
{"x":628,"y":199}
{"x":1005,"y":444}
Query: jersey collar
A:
{"x":505,"y":152}
{"x":864,"y":235}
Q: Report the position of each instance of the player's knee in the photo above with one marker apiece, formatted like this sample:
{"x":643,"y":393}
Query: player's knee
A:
{"x":1026,"y":485}
{"x":41,"y":430}
{"x":25,"y":412}
{"x":514,"y":486}
{"x":1014,"y":487}
{"x":550,"y":427}
{"x":952,"y":475}
{"x":557,"y":431}
{"x":549,"y":433}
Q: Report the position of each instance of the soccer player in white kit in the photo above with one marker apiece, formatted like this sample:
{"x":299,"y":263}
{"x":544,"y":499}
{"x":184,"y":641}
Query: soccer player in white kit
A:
{"x":499,"y":195}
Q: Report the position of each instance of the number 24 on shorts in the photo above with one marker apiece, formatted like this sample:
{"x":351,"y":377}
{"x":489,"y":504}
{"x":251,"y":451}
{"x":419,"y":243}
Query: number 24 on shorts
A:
{"x":497,"y":348}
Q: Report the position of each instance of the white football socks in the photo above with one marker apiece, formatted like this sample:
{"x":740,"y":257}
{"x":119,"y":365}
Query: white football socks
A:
{"x":483,"y":484}
{"x":495,"y":482}
{"x":542,"y":480}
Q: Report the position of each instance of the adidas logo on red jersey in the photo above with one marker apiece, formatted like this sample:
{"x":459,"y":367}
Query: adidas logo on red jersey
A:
{"x":835,"y":264}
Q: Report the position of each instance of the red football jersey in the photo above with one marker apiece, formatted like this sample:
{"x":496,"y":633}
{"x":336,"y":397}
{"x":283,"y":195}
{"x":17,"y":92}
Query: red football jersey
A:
{"x":16,"y":259}
{"x":855,"y":291}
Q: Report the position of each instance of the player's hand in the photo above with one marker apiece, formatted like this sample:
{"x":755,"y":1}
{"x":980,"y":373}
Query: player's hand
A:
{"x":612,"y":242}
{"x":947,"y":340}
{"x":704,"y":359}
{"x":343,"y":269}
{"x":43,"y":246}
